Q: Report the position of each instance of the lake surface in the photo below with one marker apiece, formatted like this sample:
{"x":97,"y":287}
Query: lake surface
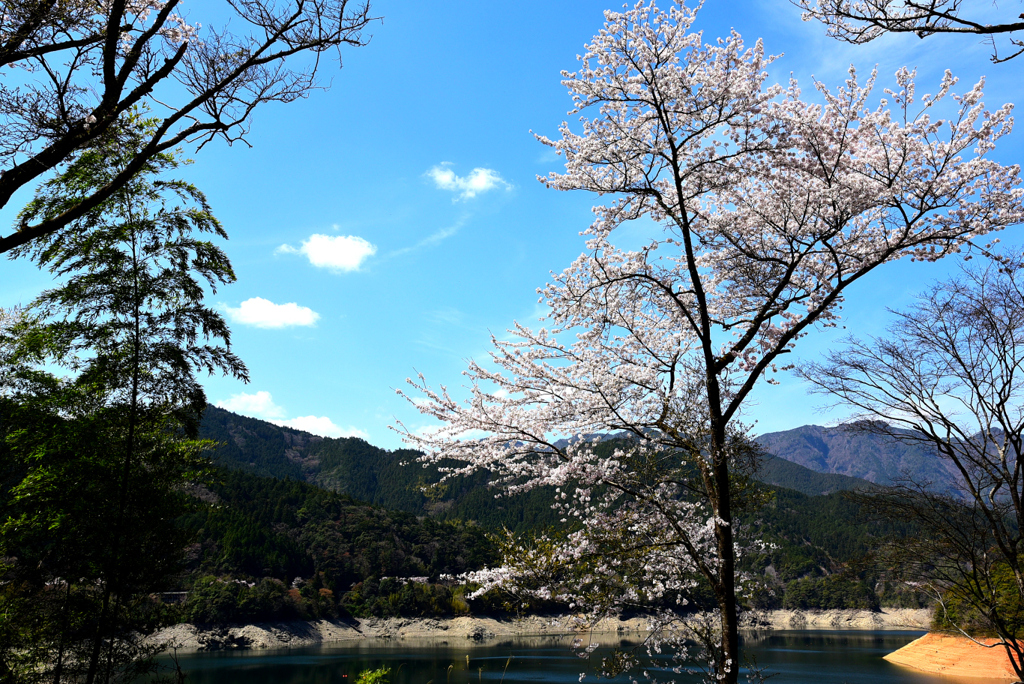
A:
{"x":795,"y":657}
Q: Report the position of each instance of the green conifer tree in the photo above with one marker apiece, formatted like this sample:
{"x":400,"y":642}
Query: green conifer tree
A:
{"x":97,"y":453}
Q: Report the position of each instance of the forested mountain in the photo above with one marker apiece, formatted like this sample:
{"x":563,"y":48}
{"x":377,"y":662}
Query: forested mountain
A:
{"x":854,"y":453}
{"x":354,"y":467}
{"x":261,"y":526}
{"x":351,"y":466}
{"x":289,"y":504}
{"x":269,"y":548}
{"x":780,"y":471}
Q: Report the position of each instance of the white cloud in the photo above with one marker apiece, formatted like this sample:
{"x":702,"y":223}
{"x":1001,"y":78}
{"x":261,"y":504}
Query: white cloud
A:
{"x":258,"y":405}
{"x":264,"y":313}
{"x":261,"y":405}
{"x":320,"y":425}
{"x":337,"y":253}
{"x":479,"y":180}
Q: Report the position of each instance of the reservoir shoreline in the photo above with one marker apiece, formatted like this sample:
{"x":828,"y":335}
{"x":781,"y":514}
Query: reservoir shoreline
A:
{"x":300,"y":633}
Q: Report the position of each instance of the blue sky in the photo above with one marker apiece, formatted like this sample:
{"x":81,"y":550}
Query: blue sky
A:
{"x":389,"y":224}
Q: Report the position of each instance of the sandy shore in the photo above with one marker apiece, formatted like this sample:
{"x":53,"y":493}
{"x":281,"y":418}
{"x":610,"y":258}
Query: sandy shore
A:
{"x":301,"y":633}
{"x":956,"y":658}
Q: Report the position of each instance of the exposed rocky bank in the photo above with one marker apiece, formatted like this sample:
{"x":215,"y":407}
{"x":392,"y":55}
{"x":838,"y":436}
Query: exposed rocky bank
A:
{"x":302,"y":633}
{"x":890,"y":618}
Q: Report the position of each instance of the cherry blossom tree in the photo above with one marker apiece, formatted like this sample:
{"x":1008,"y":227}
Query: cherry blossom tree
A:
{"x":861,"y":21}
{"x":74,"y":67}
{"x":769,"y":207}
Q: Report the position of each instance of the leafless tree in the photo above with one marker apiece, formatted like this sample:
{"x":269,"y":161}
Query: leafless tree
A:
{"x":957,"y":561}
{"x":72,"y":67}
{"x":860,"y":21}
{"x":950,"y":375}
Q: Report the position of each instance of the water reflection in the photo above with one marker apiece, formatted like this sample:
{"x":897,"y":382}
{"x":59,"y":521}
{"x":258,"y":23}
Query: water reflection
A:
{"x":794,"y":657}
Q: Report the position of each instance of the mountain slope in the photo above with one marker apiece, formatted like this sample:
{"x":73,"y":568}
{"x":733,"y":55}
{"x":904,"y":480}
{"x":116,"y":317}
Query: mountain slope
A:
{"x":814,"y":531}
{"x":781,"y":472}
{"x":352,"y":466}
{"x":855,"y":453}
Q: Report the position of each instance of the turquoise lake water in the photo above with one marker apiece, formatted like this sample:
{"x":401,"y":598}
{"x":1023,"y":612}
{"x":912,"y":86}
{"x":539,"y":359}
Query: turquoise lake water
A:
{"x":794,"y":657}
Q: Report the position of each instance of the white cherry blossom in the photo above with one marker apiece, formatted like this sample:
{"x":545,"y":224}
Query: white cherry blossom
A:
{"x":770,"y":206}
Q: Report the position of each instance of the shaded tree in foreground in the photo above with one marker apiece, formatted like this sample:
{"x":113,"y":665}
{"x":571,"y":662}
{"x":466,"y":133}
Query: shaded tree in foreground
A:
{"x":95,"y":460}
{"x":769,"y":207}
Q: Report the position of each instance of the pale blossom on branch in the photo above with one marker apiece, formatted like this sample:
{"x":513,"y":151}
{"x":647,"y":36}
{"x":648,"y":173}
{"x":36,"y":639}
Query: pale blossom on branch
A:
{"x":770,"y":205}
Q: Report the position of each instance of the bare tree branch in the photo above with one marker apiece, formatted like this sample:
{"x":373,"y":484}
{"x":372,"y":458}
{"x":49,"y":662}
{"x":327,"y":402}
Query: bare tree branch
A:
{"x":861,"y":21}
{"x":144,"y":53}
{"x":950,"y":375}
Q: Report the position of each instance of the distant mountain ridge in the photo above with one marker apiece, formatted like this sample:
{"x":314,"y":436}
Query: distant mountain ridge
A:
{"x":812,"y":531}
{"x":352,"y":466}
{"x":846,"y":456}
{"x":846,"y":450}
{"x":811,"y":459}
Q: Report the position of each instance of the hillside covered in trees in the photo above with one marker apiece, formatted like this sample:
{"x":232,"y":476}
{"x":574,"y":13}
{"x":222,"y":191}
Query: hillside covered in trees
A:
{"x":352,"y":466}
{"x":299,"y":525}
{"x":266,"y":547}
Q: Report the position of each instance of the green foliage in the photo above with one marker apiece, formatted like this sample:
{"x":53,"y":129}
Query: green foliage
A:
{"x":128,"y":318}
{"x":379,"y":676}
{"x":391,"y":479}
{"x":95,"y":461}
{"x":809,"y":535}
{"x":273,"y":533}
{"x":831,"y":592}
{"x":72,"y":568}
{"x":283,"y":528}
{"x":997,"y":592}
{"x":266,"y":532}
{"x":836,"y":524}
{"x":253,"y":446}
{"x":391,"y":598}
{"x":782,"y":473}
{"x":819,"y":553}
{"x":213,"y":600}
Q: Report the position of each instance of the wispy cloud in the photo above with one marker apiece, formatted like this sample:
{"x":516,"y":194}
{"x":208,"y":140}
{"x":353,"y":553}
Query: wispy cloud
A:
{"x":258,"y":405}
{"x":434,"y":238}
{"x":261,"y":405}
{"x":263,"y":313}
{"x":478,"y":181}
{"x":809,"y":50}
{"x":339,"y":253}
{"x":449,"y":316}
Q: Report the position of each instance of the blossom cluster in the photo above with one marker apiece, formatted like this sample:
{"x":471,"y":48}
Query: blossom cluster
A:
{"x":770,"y":205}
